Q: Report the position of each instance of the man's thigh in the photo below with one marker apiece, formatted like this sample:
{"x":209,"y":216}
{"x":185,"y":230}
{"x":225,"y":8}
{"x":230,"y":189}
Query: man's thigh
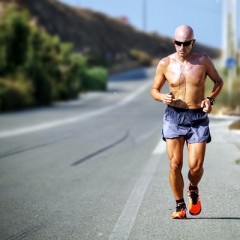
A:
{"x":175,"y":149}
{"x":196,"y":153}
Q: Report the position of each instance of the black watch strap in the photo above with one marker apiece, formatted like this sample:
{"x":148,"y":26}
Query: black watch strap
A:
{"x":212,"y":100}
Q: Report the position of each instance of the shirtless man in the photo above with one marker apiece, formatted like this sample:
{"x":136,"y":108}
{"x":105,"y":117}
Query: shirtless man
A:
{"x":186,"y":114}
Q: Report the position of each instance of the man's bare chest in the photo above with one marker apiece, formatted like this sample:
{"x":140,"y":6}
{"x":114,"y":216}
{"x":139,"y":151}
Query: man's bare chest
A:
{"x":185,"y":73}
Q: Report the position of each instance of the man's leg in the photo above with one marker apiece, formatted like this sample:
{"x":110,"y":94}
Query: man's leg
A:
{"x":196,"y":153}
{"x":175,"y":154}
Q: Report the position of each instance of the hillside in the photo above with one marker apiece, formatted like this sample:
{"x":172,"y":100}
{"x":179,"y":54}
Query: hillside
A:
{"x":97,"y":33}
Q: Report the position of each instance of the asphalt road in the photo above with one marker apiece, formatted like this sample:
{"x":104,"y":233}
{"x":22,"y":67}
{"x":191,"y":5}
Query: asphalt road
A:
{"x":96,"y":168}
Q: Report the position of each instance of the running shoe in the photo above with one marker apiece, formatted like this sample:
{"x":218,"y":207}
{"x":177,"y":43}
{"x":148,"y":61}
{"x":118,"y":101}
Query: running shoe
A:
{"x":194,"y":202}
{"x":180,"y":214}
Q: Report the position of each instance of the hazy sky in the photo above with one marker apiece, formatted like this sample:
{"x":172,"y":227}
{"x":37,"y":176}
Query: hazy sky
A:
{"x":163,"y":16}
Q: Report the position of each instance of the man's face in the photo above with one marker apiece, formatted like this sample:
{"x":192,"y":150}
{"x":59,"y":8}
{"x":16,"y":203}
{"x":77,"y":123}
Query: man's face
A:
{"x":183,"y":46}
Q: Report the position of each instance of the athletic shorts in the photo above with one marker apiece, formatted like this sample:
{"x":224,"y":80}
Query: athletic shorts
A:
{"x":192,"y":124}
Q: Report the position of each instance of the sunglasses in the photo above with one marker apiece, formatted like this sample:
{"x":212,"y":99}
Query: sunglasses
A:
{"x":185,"y":44}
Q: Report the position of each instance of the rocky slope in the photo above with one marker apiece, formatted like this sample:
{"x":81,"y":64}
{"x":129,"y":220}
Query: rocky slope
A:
{"x":95,"y":32}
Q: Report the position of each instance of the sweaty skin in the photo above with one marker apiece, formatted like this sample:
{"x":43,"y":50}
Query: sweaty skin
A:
{"x":185,"y":73}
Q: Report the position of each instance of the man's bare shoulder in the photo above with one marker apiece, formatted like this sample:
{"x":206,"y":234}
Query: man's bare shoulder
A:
{"x":164,"y":62}
{"x":201,"y":57}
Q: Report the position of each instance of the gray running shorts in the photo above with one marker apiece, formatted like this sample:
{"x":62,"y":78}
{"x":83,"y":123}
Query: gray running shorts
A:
{"x":192,"y":124}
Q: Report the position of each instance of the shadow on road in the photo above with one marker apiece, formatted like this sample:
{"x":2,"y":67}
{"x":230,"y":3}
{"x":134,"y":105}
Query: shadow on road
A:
{"x":214,"y":218}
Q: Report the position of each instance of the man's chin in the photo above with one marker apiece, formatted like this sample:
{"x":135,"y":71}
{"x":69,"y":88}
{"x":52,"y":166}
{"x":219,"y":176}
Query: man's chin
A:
{"x":182,"y":53}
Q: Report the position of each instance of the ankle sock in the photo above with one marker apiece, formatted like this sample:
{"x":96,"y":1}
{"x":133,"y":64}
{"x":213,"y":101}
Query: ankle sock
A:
{"x":193,"y":193}
{"x":180,"y":204}
{"x":191,"y":187}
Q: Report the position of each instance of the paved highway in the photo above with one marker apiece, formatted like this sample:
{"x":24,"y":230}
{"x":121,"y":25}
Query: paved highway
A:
{"x":96,"y":168}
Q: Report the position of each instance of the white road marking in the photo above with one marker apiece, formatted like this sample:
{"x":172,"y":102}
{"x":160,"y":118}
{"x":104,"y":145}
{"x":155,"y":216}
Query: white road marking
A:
{"x":126,"y":220}
{"x":47,"y":125}
{"x":80,"y":117}
{"x":160,"y":148}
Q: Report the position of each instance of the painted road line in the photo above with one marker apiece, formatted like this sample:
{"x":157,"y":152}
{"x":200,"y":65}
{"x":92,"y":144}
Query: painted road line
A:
{"x":81,"y":117}
{"x":128,"y":216}
{"x":126,"y":220}
{"x":160,"y":148}
{"x":52,"y":124}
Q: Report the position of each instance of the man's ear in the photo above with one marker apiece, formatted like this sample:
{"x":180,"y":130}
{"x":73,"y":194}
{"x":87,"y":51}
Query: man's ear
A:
{"x":194,"y":41}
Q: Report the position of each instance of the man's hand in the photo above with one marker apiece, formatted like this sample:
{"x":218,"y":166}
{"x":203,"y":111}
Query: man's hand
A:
{"x":206,"y":105}
{"x":167,"y":98}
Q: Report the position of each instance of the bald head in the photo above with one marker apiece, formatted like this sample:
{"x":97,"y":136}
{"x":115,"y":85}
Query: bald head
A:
{"x":183,"y":33}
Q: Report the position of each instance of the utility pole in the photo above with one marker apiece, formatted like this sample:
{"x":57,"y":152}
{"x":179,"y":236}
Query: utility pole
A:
{"x":230,"y":42}
{"x":144,"y":14}
{"x":229,"y":29}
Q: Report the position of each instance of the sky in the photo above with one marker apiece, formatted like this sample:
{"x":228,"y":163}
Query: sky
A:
{"x":163,"y":16}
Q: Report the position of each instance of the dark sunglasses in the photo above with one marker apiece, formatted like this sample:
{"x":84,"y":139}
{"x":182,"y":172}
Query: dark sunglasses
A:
{"x":185,"y":44}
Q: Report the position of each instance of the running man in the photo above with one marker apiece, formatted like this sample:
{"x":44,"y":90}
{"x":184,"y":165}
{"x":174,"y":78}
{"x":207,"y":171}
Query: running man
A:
{"x":186,"y":114}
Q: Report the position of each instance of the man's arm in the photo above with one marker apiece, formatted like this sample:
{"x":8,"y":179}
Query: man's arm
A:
{"x":218,"y":84}
{"x":215,"y":77}
{"x":158,"y":83}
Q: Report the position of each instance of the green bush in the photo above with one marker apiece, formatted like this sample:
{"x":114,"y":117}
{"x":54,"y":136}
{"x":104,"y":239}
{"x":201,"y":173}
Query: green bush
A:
{"x":230,"y":100}
{"x":14,"y":31}
{"x":95,"y":78}
{"x":94,"y":59}
{"x":15,"y":94}
{"x":51,"y":69}
{"x":140,"y":56}
{"x":36,"y":68}
{"x":3,"y":50}
{"x":71,"y":80}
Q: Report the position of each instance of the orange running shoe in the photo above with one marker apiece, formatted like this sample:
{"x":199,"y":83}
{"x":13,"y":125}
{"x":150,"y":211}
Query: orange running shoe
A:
{"x":194,"y":202}
{"x":181,"y":214}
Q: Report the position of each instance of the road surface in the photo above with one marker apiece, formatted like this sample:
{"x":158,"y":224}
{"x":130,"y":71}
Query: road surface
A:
{"x":96,"y":168}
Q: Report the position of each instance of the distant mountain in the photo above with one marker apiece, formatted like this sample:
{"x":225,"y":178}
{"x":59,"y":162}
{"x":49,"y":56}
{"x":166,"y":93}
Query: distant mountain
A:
{"x":97,"y":32}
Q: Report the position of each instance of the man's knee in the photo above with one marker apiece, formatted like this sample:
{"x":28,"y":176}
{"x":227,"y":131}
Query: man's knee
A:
{"x":196,"y":170}
{"x":175,"y":166}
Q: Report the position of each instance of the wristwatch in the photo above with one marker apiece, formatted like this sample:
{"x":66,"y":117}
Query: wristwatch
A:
{"x":212,"y":100}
